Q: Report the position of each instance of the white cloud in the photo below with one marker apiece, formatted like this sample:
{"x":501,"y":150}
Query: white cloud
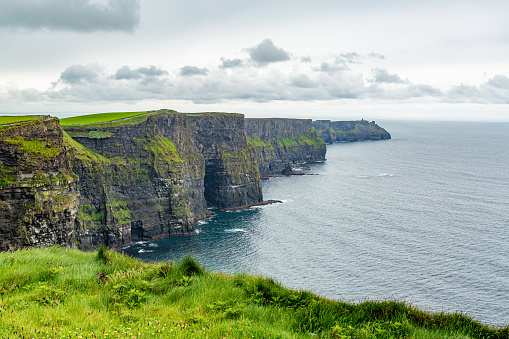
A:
{"x":495,"y":91}
{"x":193,"y":70}
{"x":381,"y":75}
{"x":298,"y":79}
{"x":70,"y":15}
{"x":79,"y":74}
{"x":230,"y":63}
{"x":266,"y":52}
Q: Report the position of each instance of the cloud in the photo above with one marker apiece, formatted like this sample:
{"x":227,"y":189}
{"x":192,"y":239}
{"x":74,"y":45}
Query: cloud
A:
{"x":349,"y":58}
{"x":421,"y":90}
{"x":376,"y":55}
{"x":230,"y":63}
{"x":303,"y":81}
{"x":499,"y":81}
{"x":266,"y":52}
{"x":71,"y":15}
{"x":79,"y":74}
{"x":126,"y":73}
{"x":192,"y":70}
{"x":332,"y":68}
{"x":381,"y":75}
{"x":297,"y":82}
{"x":495,"y":91}
{"x":152,"y":71}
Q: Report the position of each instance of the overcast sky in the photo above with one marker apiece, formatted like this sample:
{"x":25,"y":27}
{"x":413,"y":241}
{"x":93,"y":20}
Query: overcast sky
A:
{"x":335,"y":59}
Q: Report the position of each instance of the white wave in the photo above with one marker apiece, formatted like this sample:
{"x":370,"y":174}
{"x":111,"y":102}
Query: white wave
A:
{"x":362,"y":176}
{"x":234,"y":230}
{"x":140,"y":243}
{"x":153,"y":245}
{"x":141,"y":251}
{"x":386,"y":175}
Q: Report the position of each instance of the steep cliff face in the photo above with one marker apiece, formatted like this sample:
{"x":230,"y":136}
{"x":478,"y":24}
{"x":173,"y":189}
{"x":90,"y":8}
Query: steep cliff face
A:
{"x":156,"y":177}
{"x":231,"y":177}
{"x":278,"y":142}
{"x":343,"y":131}
{"x":137,"y":181}
{"x":38,"y":193}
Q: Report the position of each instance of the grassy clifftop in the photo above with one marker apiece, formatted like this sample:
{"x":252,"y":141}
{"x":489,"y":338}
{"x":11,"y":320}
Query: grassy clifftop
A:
{"x":57,"y":293}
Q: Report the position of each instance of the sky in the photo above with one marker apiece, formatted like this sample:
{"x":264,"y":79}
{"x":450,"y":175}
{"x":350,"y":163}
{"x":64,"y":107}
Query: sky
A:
{"x":320,"y":59}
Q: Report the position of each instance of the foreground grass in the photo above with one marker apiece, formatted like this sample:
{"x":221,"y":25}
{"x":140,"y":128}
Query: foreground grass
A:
{"x":59,"y":293}
{"x":98,"y":118}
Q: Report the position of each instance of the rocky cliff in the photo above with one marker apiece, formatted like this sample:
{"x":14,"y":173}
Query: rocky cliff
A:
{"x":38,"y":192}
{"x":157,"y":177}
{"x":343,"y":131}
{"x":140,"y":178}
{"x":278,"y":142}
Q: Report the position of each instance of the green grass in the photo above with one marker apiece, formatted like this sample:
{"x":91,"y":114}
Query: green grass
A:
{"x":304,"y":139}
{"x":288,"y":142}
{"x":257,"y":142}
{"x":98,"y":118}
{"x":18,"y":118}
{"x":85,"y":154}
{"x":163,"y":149}
{"x":41,"y":148}
{"x":59,"y":293}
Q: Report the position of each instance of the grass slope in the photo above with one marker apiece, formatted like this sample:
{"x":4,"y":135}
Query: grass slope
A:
{"x":60,"y":293}
{"x":98,"y":118}
{"x":18,"y":118}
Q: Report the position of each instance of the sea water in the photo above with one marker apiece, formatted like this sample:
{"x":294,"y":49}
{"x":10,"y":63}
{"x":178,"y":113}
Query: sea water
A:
{"x":422,"y":218}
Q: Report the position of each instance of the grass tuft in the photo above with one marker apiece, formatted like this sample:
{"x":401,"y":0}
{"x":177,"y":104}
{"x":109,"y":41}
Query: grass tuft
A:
{"x":102,"y":255}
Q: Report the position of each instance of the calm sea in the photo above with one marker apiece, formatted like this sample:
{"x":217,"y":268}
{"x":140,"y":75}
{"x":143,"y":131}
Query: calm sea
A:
{"x":423,"y":218}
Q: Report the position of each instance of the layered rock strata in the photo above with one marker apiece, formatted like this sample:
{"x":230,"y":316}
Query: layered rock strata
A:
{"x":157,"y":177}
{"x":38,"y":190}
{"x":278,"y":142}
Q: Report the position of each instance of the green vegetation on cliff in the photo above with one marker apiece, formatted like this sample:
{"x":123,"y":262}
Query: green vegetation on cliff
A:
{"x":98,"y":118}
{"x":18,"y":118}
{"x":163,"y":149}
{"x":83,"y":153}
{"x":41,"y":148}
{"x":257,"y":142}
{"x":107,"y":120}
{"x":58,"y":293}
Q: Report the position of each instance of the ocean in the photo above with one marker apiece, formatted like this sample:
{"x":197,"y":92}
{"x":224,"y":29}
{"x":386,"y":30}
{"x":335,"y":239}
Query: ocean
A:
{"x":422,"y":218}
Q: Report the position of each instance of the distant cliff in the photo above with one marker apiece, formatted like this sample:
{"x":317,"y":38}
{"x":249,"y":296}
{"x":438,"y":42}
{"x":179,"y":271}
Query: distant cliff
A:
{"x":342,"y":131}
{"x":278,"y":142}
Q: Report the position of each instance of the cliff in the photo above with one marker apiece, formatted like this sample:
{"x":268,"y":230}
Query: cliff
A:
{"x":38,"y":191}
{"x":278,"y":142}
{"x":156,"y":177}
{"x":141,"y":177}
{"x":343,"y":131}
